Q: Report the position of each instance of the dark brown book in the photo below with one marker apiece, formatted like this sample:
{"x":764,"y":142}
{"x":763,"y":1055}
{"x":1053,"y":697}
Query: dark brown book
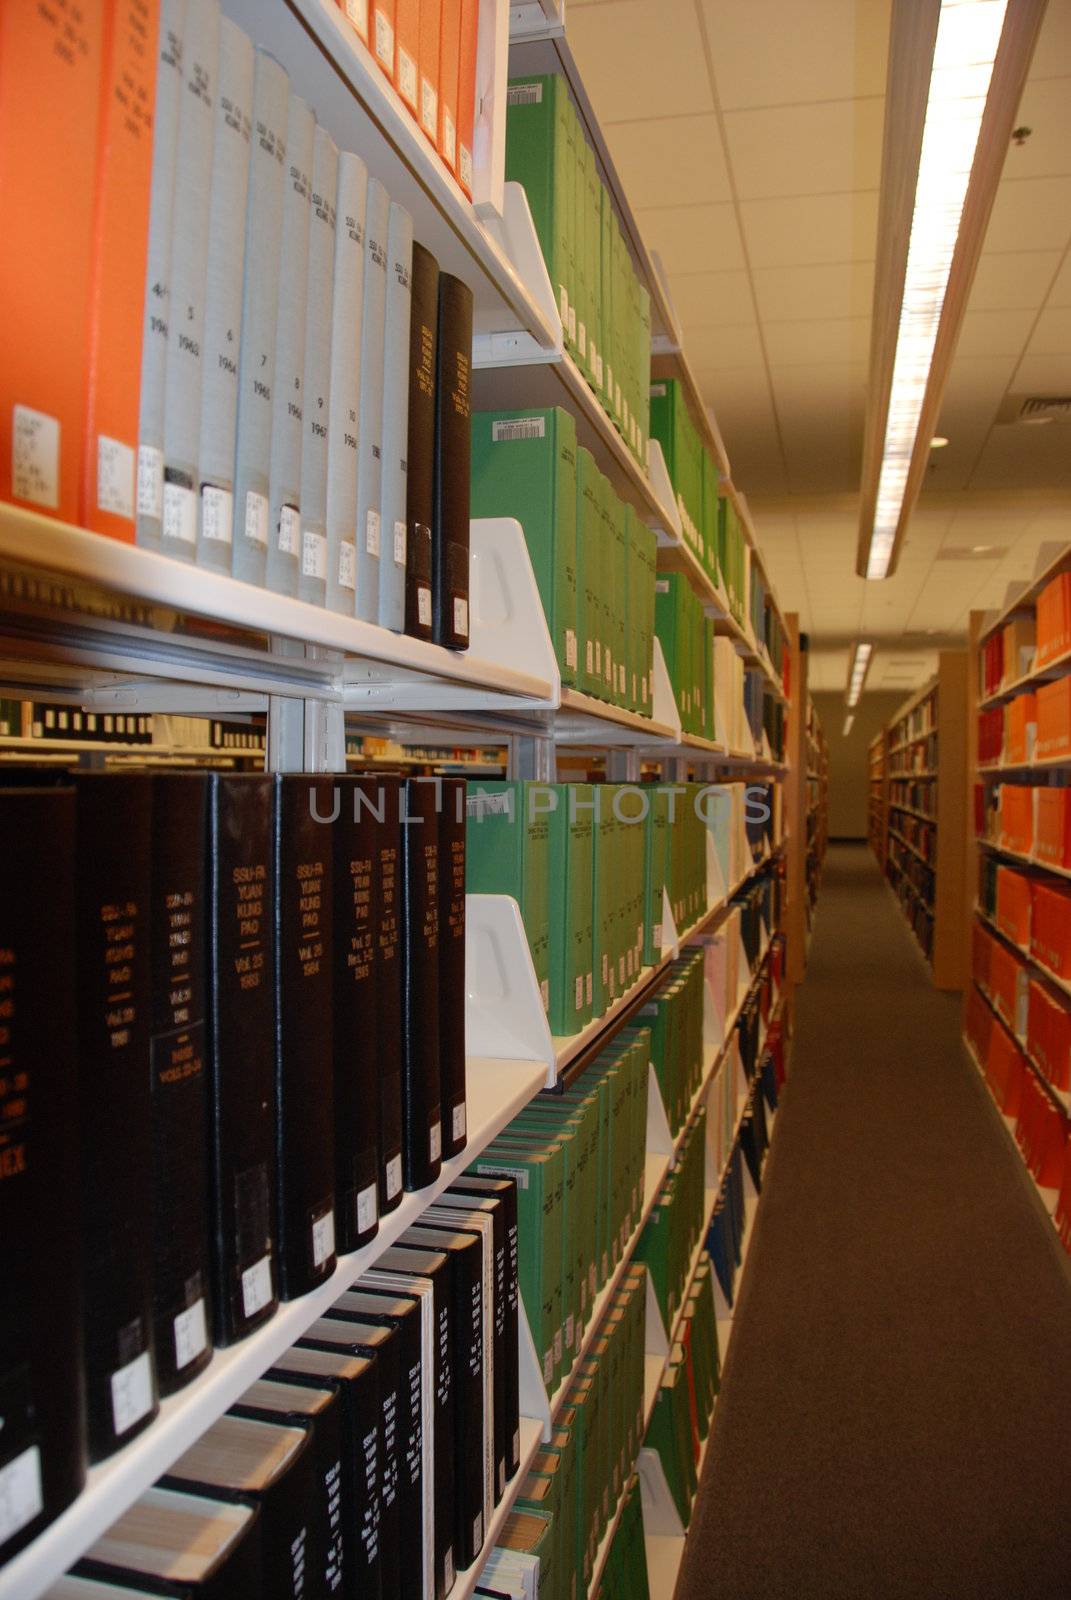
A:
{"x":421,"y":1086}
{"x":187,"y":1546}
{"x":452,"y":965}
{"x":390,"y":880}
{"x":420,"y":450}
{"x":453,"y":450}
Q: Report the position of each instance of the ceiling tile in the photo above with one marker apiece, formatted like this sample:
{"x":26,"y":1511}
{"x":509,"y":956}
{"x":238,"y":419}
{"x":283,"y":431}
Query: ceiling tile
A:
{"x":611,"y":41}
{"x":714,"y":349}
{"x":824,"y":50}
{"x":820,"y":229}
{"x":807,"y":343}
{"x":995,"y":333}
{"x":1030,"y":214}
{"x":798,"y":293}
{"x":818,"y":149}
{"x":1035,"y":458}
{"x":1012,"y":280}
{"x":1049,"y":375}
{"x":693,"y":238}
{"x":1052,"y":57}
{"x":711,"y":299}
{"x":1052,"y":336}
{"x":1060,"y":293}
{"x":669,"y":161}
{"x":1046,"y":110}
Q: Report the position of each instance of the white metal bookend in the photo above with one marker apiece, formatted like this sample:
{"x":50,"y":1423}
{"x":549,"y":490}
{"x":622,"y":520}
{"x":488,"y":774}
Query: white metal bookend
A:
{"x":504,"y":1016}
{"x":660,"y":1514}
{"x":514,"y":233}
{"x":659,"y":1137}
{"x":663,"y":701}
{"x":658,"y":473}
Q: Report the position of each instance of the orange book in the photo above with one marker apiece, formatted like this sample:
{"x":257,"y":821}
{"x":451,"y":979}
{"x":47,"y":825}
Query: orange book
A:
{"x":356,"y":14}
{"x":1013,"y":905}
{"x":1050,"y":928}
{"x":466,"y":92}
{"x":449,"y":66}
{"x":430,"y":33}
{"x":117,"y":284}
{"x":1054,"y":620}
{"x":50,"y":63}
{"x":407,"y":52}
{"x":1016,"y":817}
{"x":1020,"y":728}
{"x":383,"y":35}
{"x":1054,"y":719}
{"x":1052,"y":830}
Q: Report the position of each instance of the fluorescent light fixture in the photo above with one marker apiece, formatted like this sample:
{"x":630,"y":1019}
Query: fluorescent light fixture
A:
{"x":860,"y":665}
{"x":849,"y":719}
{"x":968,"y":33}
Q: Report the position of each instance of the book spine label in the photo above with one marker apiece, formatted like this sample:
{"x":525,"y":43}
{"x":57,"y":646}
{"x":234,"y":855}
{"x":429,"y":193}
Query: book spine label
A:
{"x":421,"y":1088}
{"x":420,"y":454}
{"x":466,"y":93}
{"x":342,"y":447}
{"x":395,"y":418}
{"x":453,"y":451}
{"x":452,"y":964}
{"x":369,"y":531}
{"x":312,"y":569}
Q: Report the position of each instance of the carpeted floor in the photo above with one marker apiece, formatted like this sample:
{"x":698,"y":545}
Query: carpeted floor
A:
{"x":895,"y":1415}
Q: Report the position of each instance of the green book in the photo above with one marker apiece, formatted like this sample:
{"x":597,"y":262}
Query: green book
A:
{"x":669,"y":629}
{"x":589,"y":575}
{"x":538,"y":1168}
{"x":593,"y":261}
{"x":603,"y":888}
{"x":575,"y":255}
{"x":619,"y":549}
{"x":561,"y":1127}
{"x":667,"y":1433}
{"x":538,"y":111}
{"x":524,"y":466}
{"x":593,"y":1081}
{"x":643,"y":371}
{"x":655,"y":850}
{"x":710,"y":517}
{"x":571,"y":866}
{"x":608,"y":592}
{"x":606,"y":279}
{"x":506,"y":842}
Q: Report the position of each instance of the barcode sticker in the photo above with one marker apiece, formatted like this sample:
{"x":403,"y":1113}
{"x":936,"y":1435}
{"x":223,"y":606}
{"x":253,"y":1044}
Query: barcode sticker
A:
{"x":394,"y":1177}
{"x":180,"y":514}
{"x":570,"y":648}
{"x":572,"y":323}
{"x":461,"y":618}
{"x":524,"y":94}
{"x":21,"y":1497}
{"x":256,"y":1286}
{"x":371,"y":532}
{"x":407,"y":77}
{"x":384,"y":40}
{"x":464,"y":165}
{"x":115,"y":476}
{"x":313,"y":554}
{"x":518,"y":428}
{"x":657,"y":391}
{"x":582,"y":340}
{"x":563,"y":297}
{"x":424,"y":607}
{"x":588,"y":655}
{"x":605,"y":968}
{"x":557,"y":1346}
{"x":347,"y":565}
{"x":459,"y":1122}
{"x":357,"y":13}
{"x":477,"y":1530}
{"x":435,"y":1141}
{"x":323,"y":1238}
{"x":217,"y":514}
{"x":548,"y":1366}
{"x":544,"y":993}
{"x":399,"y":544}
{"x":131,"y":1388}
{"x":35,"y":456}
{"x":449,"y":139}
{"x":256,"y":518}
{"x":191,"y":1334}
{"x":367,"y":1208}
{"x":289,"y":530}
{"x":429,"y":108}
{"x":150,"y":482}
{"x":579,"y":1001}
{"x":569,"y":1333}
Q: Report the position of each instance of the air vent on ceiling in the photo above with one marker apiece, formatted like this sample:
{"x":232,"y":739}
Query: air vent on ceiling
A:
{"x":967,"y":552}
{"x":1034,"y":408}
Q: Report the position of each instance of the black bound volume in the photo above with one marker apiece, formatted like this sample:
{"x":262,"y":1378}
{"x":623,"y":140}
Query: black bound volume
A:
{"x":421,"y":1087}
{"x":453,"y":446}
{"x":452,"y":964}
{"x":187,"y":1546}
{"x":304,"y":1089}
{"x":241,"y":1012}
{"x":356,"y":1053}
{"x":382,"y":1307}
{"x":179,"y":1081}
{"x":504,"y":1191}
{"x":420,"y":446}
{"x":465,"y":1251}
{"x":356,"y":1379}
{"x":464,"y":1211}
{"x":42,"y":1403}
{"x":115,"y":1107}
{"x":388,"y":1025}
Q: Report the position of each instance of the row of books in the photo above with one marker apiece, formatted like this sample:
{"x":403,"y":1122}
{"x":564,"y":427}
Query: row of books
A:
{"x":292,"y":406}
{"x":711,"y":525}
{"x":725,"y":1234}
{"x":427,"y":50}
{"x":578,"y":1159}
{"x":921,"y":836}
{"x":913,"y":885}
{"x":1039,"y":1019}
{"x":674,"y":1228}
{"x":624,"y":1576}
{"x":233,"y":1031}
{"x":684,"y":1405}
{"x":1007,"y":655}
{"x":919,"y":795}
{"x":47,"y":720}
{"x":919,"y":757}
{"x":1032,"y":910}
{"x":1041,"y":1128}
{"x":674,"y":1016}
{"x":1034,"y":726}
{"x":605,"y":308}
{"x":368,"y":1459}
{"x":593,"y":558}
{"x":1032,"y":819}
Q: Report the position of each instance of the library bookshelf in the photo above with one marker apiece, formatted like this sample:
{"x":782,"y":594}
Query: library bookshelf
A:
{"x":107,"y":630}
{"x":1017,"y":1005}
{"x":817,"y":807}
{"x":923,"y":761}
{"x":877,"y":797}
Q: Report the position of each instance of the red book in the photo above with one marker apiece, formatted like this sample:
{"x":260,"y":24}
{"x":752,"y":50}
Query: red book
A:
{"x":1050,"y":928}
{"x":430,"y":35}
{"x":50,"y":68}
{"x":407,"y":52}
{"x":466,"y":92}
{"x":120,"y":247}
{"x":449,"y":68}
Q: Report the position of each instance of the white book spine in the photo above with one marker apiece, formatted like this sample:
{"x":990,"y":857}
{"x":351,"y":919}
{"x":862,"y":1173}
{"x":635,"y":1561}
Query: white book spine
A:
{"x":312,"y":573}
{"x":260,"y":295}
{"x":395,"y":417}
{"x":370,"y":425}
{"x":223,"y":297}
{"x":150,"y":475}
{"x":348,"y":298}
{"x":189,"y":269}
{"x":288,"y":401}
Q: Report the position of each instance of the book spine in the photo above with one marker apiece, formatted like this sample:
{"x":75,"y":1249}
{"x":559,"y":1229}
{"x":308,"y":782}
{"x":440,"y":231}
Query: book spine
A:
{"x":389,"y":992}
{"x":312,"y":576}
{"x":356,"y":978}
{"x":466,"y":93}
{"x":347,"y":298}
{"x":420,"y":452}
{"x":370,"y":426}
{"x":407,"y":52}
{"x":430,"y":31}
{"x":452,"y":964}
{"x":223,"y":297}
{"x":305,"y":1134}
{"x":120,"y":244}
{"x":453,"y":451}
{"x":47,"y":168}
{"x":449,"y":74}
{"x":395,"y":417}
{"x":421,"y":1092}
{"x":241,"y":1045}
{"x":41,"y":1383}
{"x":188,"y":276}
{"x":288,"y":398}
{"x":356,"y":14}
{"x":179,"y":1079}
{"x":260,"y":298}
{"x":115,"y":1112}
{"x":383,"y":35}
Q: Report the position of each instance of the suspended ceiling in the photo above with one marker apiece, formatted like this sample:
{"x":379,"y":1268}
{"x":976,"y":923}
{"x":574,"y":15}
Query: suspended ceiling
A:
{"x":747,"y":134}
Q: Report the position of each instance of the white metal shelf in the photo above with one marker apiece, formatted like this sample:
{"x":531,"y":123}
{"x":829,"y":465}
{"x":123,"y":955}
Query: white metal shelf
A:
{"x":1025,"y":860}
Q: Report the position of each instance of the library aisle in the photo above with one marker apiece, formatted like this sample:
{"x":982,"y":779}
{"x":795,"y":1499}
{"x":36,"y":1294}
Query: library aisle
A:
{"x":893,"y":1420}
